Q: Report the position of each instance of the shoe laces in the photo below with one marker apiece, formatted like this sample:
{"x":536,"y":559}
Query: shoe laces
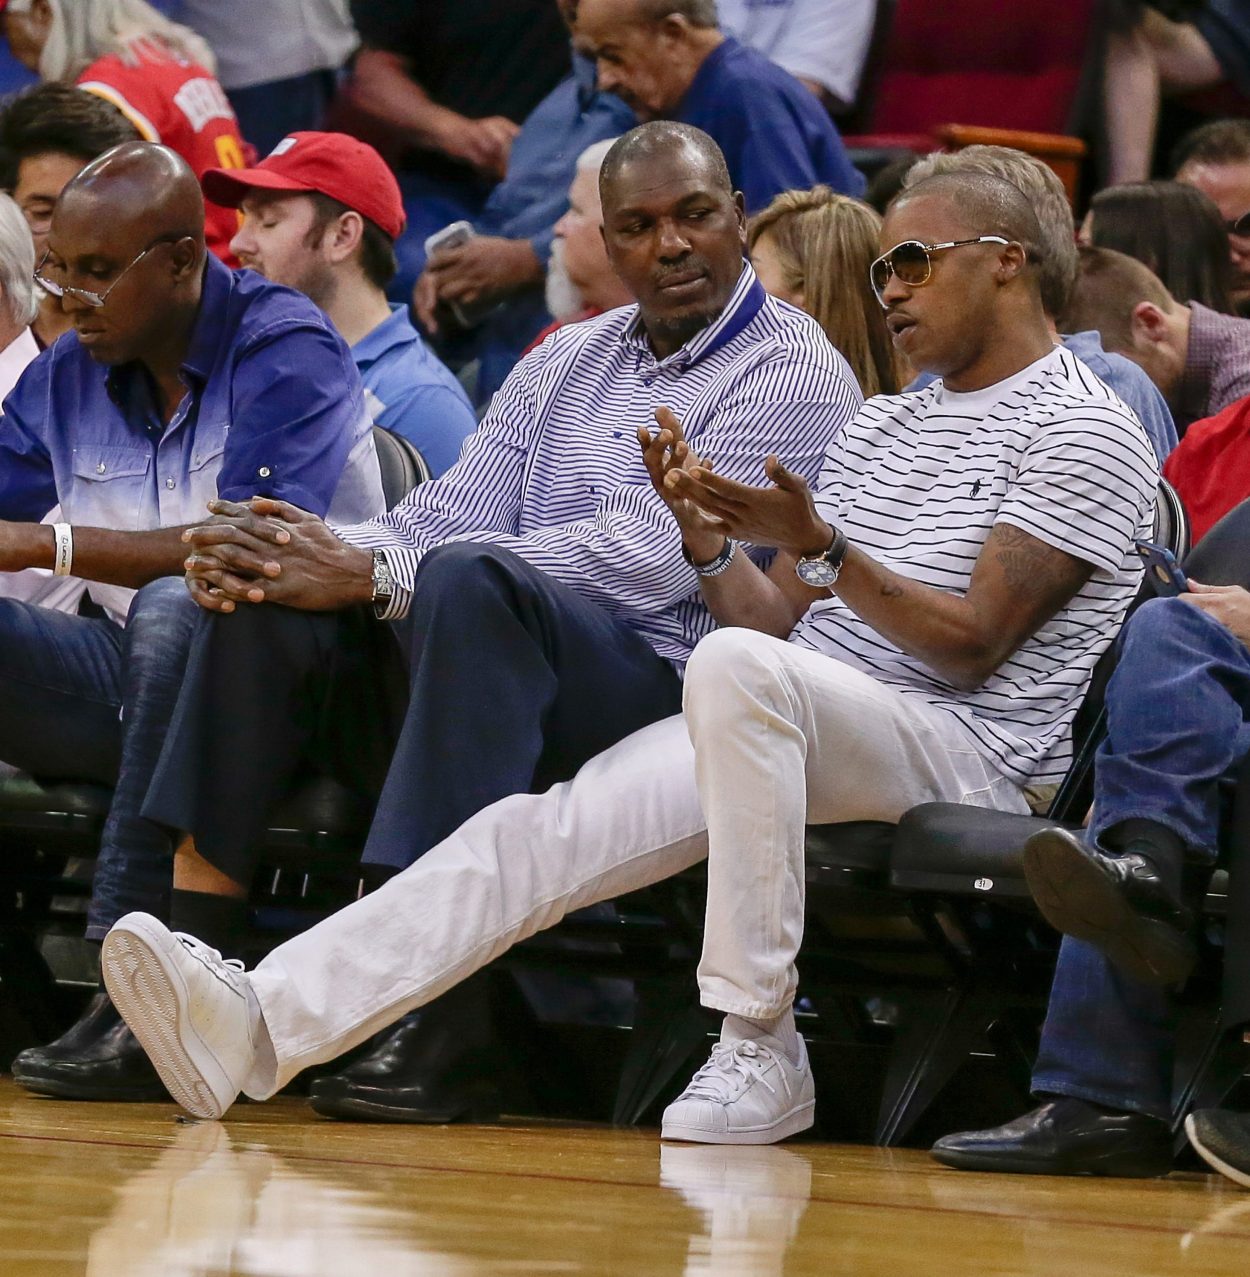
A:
{"x":230,"y":968}
{"x":732,"y":1067}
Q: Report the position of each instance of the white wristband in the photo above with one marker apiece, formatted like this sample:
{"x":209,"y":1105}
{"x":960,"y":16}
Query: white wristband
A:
{"x":63,"y":536}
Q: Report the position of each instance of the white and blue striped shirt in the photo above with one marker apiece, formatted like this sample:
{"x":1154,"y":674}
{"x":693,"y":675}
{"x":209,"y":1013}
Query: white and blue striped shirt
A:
{"x":554,"y":472}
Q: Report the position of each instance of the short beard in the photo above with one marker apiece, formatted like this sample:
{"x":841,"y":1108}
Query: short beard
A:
{"x":564,"y":302}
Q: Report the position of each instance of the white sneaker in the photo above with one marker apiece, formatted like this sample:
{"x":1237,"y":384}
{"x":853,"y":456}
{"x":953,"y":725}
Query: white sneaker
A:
{"x":192,"y":1011}
{"x":747,"y":1093}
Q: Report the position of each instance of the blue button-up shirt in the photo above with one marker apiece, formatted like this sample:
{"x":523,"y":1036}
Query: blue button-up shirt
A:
{"x":535,"y":194}
{"x":410,"y":392}
{"x":554,"y":472}
{"x":273,"y":407}
{"x":775,"y":134}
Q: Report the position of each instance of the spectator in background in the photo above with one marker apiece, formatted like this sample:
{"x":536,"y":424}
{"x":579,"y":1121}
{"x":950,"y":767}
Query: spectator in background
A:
{"x":1057,"y":275}
{"x":580,"y":280}
{"x":669,"y":60}
{"x":1175,"y":230}
{"x":1210,"y":468}
{"x":322,"y":214}
{"x":813,"y":249}
{"x":1216,"y":159}
{"x":453,"y":82}
{"x":48,"y":133}
{"x":157,"y":73}
{"x":1199,"y":360}
{"x":278,"y":60}
{"x":1149,"y":55}
{"x":822,"y":43}
{"x":504,"y":264}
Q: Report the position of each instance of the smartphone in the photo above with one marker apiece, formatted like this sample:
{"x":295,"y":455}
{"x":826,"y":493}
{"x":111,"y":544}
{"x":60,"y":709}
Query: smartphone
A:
{"x":466,"y":314}
{"x":1162,"y":570}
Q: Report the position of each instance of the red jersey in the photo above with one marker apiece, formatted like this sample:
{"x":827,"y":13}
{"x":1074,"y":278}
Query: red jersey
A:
{"x":181,"y":105}
{"x":1210,"y":467}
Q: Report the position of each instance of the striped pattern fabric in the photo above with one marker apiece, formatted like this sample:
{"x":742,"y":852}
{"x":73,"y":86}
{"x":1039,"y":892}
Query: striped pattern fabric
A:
{"x":554,"y":472}
{"x":917,"y":482}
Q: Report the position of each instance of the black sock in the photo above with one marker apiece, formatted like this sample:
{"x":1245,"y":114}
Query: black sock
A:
{"x":220,"y":921}
{"x":1164,"y":848}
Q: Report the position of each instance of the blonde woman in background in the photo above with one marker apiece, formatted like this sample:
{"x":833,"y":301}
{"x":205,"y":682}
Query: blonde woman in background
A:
{"x":813,"y":249}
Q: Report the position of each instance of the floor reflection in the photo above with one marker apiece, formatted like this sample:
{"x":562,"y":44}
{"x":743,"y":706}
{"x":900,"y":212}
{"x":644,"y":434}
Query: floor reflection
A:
{"x":751,"y":1200}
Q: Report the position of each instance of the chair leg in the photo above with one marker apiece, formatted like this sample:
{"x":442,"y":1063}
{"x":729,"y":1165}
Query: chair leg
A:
{"x":669,"y":1026}
{"x":29,"y":999}
{"x":1206,"y":1075}
{"x":936,"y":1033}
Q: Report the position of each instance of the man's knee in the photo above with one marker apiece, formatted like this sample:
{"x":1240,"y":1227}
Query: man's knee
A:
{"x":730,"y":665}
{"x":162,"y":613}
{"x":458,"y":565}
{"x":1163,"y":629}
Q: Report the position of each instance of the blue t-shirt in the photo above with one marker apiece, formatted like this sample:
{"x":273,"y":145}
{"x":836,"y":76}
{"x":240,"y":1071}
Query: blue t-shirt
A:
{"x":412,"y":393}
{"x":775,"y":134}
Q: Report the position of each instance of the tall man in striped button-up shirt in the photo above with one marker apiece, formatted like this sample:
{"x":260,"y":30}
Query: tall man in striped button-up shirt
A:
{"x":538,"y":589}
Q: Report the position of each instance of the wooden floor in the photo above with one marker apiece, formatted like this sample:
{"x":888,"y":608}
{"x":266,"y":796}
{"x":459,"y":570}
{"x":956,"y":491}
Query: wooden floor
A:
{"x":130,"y":1189}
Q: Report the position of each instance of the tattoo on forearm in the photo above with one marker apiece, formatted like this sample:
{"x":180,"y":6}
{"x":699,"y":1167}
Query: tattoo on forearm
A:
{"x":1029,"y":565}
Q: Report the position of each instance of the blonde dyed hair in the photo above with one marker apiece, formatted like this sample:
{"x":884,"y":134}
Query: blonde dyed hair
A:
{"x":825,"y":243}
{"x":84,"y":30}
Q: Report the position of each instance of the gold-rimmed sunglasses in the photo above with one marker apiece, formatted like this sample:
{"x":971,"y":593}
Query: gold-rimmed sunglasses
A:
{"x":911,"y":261}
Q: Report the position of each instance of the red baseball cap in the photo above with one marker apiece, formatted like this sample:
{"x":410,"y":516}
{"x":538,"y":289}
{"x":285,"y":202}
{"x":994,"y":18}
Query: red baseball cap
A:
{"x":333,"y":164}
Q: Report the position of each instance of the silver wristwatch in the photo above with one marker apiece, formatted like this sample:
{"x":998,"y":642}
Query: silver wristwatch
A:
{"x":383,"y":584}
{"x":820,"y":571}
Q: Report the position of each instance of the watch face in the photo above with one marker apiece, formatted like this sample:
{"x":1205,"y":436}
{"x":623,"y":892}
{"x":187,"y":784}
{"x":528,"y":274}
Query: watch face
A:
{"x":820,"y":574}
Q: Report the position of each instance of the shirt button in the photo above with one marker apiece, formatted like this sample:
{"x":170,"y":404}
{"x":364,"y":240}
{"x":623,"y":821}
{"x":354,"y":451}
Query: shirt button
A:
{"x":263,"y":472}
{"x":169,"y":483}
{"x":100,"y":469}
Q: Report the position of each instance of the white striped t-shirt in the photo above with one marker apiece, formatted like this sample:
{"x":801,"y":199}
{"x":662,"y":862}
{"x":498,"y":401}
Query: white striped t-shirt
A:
{"x":917,"y":481}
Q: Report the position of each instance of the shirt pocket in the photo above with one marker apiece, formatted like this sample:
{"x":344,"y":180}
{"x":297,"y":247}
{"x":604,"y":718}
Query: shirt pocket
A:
{"x":110,"y":488}
{"x":204,"y":467}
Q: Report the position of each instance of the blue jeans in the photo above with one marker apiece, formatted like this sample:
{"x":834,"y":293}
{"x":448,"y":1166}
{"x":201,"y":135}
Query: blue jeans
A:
{"x":1178,"y":723}
{"x":84,"y":699}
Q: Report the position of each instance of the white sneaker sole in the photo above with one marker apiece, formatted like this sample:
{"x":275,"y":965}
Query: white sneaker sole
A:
{"x":791,"y":1123}
{"x":1216,"y":1163}
{"x":151,"y":995}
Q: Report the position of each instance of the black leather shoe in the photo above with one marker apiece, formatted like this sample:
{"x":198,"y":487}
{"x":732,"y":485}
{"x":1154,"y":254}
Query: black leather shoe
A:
{"x":1065,"y":1137}
{"x":1117,"y":903}
{"x":98,"y":1058}
{"x":439,"y":1064}
{"x":1222,"y":1140}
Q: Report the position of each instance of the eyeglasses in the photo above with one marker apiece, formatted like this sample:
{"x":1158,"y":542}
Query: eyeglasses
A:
{"x":86,"y":295}
{"x":912,"y":261}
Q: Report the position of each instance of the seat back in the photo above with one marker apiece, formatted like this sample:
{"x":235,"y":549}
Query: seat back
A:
{"x":1013,"y":66}
{"x":402,"y":466}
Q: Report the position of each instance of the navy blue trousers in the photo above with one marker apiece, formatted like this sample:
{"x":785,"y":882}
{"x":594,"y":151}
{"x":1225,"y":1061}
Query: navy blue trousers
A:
{"x":1178,"y":711}
{"x":500,"y":680}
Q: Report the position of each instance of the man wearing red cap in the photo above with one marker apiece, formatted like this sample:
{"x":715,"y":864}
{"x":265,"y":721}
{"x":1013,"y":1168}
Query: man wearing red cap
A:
{"x":321,"y":214}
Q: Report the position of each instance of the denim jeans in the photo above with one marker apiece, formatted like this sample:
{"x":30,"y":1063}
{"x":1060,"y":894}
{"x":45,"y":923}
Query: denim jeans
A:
{"x":1178,"y":714}
{"x":84,"y":699}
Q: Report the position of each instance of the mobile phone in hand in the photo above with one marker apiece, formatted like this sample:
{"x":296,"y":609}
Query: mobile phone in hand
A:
{"x":1162,"y":570}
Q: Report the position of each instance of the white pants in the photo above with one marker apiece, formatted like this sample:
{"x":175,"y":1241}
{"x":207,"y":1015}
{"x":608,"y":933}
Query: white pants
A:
{"x":784,"y":736}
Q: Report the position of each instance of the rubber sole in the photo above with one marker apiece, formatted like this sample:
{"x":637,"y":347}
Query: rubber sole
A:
{"x":59,"y":1089}
{"x":798,"y":1119}
{"x":151,"y":996}
{"x":354,"y":1109}
{"x":1079,"y":900}
{"x":1117,"y":1165}
{"x":1213,"y":1160}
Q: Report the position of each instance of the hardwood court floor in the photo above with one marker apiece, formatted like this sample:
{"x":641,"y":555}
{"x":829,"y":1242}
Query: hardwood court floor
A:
{"x":112,"y":1190}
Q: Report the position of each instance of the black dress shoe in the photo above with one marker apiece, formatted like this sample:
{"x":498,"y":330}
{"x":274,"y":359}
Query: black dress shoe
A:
{"x":1065,"y":1137}
{"x":439,"y":1064}
{"x":98,"y":1058}
{"x":1117,"y":903}
{"x":1222,"y":1140}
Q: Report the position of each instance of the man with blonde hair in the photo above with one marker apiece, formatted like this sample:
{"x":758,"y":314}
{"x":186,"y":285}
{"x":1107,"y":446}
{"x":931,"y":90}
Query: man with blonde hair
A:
{"x":1057,"y":276}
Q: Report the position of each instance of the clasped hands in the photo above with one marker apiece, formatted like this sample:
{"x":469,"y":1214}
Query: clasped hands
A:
{"x":266,"y":551}
{"x":709,"y":507}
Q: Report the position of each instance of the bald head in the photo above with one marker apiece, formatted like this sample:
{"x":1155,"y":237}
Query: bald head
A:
{"x":669,"y":145}
{"x":141,"y":187}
